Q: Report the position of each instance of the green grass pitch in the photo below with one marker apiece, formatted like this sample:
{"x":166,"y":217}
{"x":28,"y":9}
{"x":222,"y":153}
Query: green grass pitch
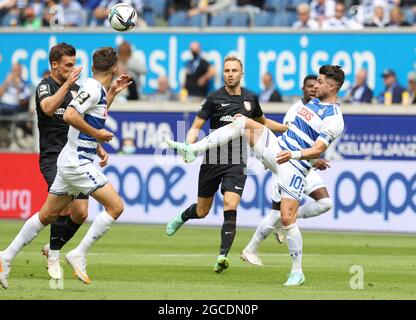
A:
{"x":141,"y":262}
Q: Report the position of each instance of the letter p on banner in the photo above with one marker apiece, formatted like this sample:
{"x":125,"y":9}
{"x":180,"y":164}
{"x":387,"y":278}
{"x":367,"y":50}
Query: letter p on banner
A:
{"x":357,"y":280}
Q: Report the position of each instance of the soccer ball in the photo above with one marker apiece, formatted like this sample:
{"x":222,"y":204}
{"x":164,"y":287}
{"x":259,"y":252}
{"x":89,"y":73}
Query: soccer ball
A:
{"x":122,"y":17}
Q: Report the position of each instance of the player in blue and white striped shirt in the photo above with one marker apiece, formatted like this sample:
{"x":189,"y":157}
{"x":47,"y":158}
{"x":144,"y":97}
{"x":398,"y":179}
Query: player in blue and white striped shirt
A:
{"x":76,"y":174}
{"x":316,"y":125}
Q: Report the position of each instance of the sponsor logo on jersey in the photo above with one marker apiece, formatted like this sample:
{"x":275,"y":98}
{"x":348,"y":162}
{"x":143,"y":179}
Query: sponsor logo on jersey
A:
{"x":82,"y":97}
{"x":227,"y":118}
{"x":60,"y":111}
{"x":43,"y":89}
{"x":305,"y":113}
{"x":247,"y":105}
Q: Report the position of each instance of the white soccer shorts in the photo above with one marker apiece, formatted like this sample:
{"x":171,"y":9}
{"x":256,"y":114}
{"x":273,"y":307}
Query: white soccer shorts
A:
{"x":75,"y":180}
{"x":290,"y":181}
{"x":313,"y":182}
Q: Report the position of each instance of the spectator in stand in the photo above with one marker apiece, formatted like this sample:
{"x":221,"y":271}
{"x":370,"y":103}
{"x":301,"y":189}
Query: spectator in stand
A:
{"x":393,"y":88}
{"x":131,"y":92}
{"x":14,"y":92}
{"x":322,"y":10}
{"x":30,"y":20}
{"x":380,"y":19}
{"x":198,"y":73}
{"x":360,"y":92}
{"x":49,"y":17}
{"x":72,"y":13}
{"x":133,"y":63}
{"x":411,"y":80}
{"x":304,"y":19}
{"x":397,"y":19}
{"x":163,"y":93}
{"x":269,"y":93}
{"x":340,"y":21}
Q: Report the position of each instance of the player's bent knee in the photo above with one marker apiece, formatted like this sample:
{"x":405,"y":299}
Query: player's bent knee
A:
{"x":325,"y":204}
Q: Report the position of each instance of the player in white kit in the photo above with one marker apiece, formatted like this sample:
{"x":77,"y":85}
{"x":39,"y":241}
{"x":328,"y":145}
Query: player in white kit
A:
{"x":315,"y":188}
{"x":316,"y":125}
{"x":86,"y":115}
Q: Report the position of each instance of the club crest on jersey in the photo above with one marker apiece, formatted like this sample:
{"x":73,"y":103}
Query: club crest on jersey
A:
{"x":43,"y":89}
{"x":247,"y":105}
{"x":321,"y":111}
{"x":82,"y":97}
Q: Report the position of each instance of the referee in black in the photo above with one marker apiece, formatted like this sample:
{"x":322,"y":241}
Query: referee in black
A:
{"x":225,"y":165}
{"x":53,"y":94}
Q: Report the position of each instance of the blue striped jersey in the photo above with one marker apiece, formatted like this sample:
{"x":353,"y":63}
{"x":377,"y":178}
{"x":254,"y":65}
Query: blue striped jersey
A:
{"x":91,"y":103}
{"x":307,"y":124}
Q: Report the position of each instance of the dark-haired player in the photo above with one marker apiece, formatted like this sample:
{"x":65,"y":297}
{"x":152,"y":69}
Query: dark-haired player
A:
{"x":316,"y":125}
{"x":76,"y":173}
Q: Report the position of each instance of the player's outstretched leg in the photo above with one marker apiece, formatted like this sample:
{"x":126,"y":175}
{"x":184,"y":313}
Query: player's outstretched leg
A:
{"x":77,"y":258}
{"x":216,"y":138}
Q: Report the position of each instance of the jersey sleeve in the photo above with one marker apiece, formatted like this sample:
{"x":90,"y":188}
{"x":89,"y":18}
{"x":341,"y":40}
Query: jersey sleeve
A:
{"x":332,"y":128}
{"x":290,"y":115}
{"x":207,"y":108}
{"x":43,"y":91}
{"x":88,"y":97}
{"x":257,"y":111}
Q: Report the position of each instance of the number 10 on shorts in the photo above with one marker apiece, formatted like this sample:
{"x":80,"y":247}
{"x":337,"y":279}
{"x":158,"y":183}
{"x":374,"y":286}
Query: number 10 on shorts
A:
{"x":296,"y":182}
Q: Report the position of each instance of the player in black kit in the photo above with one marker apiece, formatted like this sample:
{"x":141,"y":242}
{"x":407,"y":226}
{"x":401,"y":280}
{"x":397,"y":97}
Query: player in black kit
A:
{"x":224,"y":165}
{"x":53,"y":95}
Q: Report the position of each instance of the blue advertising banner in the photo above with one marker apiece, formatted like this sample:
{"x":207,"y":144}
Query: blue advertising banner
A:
{"x":367,"y":137}
{"x":288,"y":56}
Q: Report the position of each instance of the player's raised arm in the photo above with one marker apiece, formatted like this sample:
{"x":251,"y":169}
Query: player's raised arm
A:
{"x":118,"y":85}
{"x":192,"y":135}
{"x":51,"y":103}
{"x":274,"y":126}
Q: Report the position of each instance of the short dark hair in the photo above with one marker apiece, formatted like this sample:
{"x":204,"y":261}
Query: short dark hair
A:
{"x":59,"y":50}
{"x":333,"y":72}
{"x":309,"y":77}
{"x":104,"y":59}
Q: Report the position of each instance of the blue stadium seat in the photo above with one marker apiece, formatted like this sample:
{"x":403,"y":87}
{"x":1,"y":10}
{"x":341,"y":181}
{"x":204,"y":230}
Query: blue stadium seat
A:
{"x":273,"y":5}
{"x":159,"y":7}
{"x":279,"y":19}
{"x":178,"y":19}
{"x":263,"y":19}
{"x":219,"y":20}
{"x":149,"y":16}
{"x":197,"y":20}
{"x":238,"y":19}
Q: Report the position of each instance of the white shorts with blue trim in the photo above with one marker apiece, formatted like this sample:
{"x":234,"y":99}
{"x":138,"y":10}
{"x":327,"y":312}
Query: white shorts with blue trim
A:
{"x":313,"y":182}
{"x":290,"y":180}
{"x":75,"y":180}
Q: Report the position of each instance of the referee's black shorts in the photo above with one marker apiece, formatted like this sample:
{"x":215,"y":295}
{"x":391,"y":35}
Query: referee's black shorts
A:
{"x":49,"y":169}
{"x":231,"y":177}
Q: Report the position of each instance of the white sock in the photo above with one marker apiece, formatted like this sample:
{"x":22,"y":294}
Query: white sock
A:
{"x":99,"y":227}
{"x":294,"y":243}
{"x":314,"y":208}
{"x":29,"y":231}
{"x":265,"y":227}
{"x":220,"y":136}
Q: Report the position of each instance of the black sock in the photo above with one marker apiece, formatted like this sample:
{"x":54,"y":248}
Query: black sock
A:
{"x":56,"y":233}
{"x":228,"y":231}
{"x":70,"y":228}
{"x":63,"y":233}
{"x":190,"y":213}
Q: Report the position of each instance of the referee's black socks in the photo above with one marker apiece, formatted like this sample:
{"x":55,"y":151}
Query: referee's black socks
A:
{"x":228,"y":231}
{"x":190,"y":213}
{"x":62,"y":230}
